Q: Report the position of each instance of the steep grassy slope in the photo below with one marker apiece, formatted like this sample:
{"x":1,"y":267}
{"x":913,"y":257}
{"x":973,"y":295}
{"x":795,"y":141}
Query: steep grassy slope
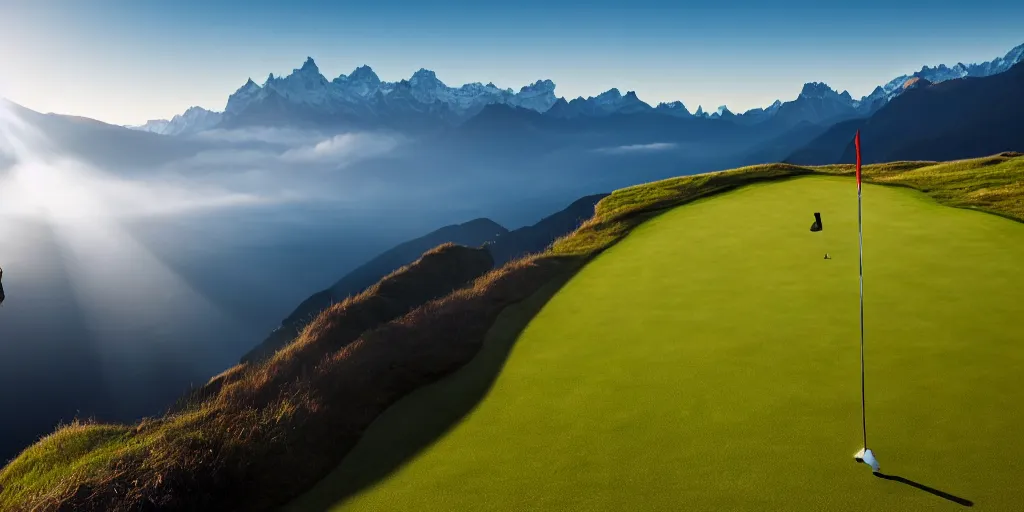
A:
{"x":241,"y":450}
{"x":434,"y":275}
{"x":472,"y":234}
{"x":503,"y":245}
{"x":711,"y":359}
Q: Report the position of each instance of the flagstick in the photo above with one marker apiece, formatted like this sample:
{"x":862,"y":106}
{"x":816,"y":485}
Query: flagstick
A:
{"x":864,"y":455}
{"x":863,"y":408}
{"x":860,"y":235}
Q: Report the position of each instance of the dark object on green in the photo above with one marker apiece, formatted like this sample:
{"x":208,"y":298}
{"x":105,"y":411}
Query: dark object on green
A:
{"x":817,"y":227}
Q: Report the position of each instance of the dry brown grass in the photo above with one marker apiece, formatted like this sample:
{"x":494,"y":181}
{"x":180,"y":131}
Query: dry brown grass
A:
{"x":435,"y":274}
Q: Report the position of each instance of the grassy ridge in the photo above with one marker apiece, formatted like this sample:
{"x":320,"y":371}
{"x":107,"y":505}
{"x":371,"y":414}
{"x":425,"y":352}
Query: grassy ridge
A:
{"x":436,"y":274}
{"x":255,"y":450}
{"x":993,"y":184}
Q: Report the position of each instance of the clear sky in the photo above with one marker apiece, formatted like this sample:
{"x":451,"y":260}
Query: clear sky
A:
{"x":126,"y":61}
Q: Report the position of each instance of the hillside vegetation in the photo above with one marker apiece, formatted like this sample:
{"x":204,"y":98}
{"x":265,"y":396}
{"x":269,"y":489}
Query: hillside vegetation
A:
{"x":263,"y":434}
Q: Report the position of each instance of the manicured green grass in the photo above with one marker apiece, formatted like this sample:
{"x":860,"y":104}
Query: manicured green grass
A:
{"x":709,"y":361}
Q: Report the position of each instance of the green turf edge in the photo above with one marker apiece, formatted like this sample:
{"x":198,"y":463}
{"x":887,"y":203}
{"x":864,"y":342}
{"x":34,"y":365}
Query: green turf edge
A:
{"x":431,"y":411}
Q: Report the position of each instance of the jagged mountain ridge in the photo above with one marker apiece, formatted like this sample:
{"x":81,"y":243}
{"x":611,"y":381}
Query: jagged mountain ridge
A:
{"x":950,"y":120}
{"x":306,"y":96}
{"x":363,"y":98}
{"x":195,"y":119}
{"x":941,"y":73}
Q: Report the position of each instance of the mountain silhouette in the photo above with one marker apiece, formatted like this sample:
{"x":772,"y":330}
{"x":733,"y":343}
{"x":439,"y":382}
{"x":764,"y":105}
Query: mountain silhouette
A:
{"x":954,"y":119}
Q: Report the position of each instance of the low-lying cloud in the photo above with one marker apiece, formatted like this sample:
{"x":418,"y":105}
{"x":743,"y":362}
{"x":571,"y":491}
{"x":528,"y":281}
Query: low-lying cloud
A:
{"x":262,"y":149}
{"x":638,"y":148}
{"x":343,"y":149}
{"x":36,"y":177}
{"x":231,"y":168}
{"x":69,"y":190}
{"x":268,"y":135}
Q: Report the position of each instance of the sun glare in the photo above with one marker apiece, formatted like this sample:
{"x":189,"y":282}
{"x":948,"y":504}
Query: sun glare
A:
{"x":114,"y":277}
{"x":40,"y":180}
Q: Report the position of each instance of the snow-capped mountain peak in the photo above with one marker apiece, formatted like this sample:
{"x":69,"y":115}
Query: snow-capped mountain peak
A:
{"x":304,"y":86}
{"x":363,"y":97}
{"x":942,"y":73}
{"x":153,"y":125}
{"x":539,"y":96}
{"x":193,"y":120}
{"x":424,"y":77}
{"x":545,"y":85}
{"x":243,"y":96}
{"x":363,"y":82}
{"x":675,"y":108}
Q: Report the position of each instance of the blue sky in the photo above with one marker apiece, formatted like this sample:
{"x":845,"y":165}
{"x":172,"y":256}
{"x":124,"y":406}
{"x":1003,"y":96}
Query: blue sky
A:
{"x":127,"y":61}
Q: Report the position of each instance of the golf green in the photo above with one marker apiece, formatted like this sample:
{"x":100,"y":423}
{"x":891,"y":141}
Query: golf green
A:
{"x":710,"y":361}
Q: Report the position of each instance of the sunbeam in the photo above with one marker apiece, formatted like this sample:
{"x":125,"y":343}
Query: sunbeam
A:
{"x":133,"y":304}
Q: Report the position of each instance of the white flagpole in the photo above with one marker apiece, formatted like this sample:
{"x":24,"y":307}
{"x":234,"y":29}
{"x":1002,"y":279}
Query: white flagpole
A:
{"x":860,"y":231}
{"x":864,"y":455}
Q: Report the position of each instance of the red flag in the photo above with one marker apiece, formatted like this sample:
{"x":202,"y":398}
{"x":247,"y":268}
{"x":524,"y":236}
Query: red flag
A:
{"x":856,"y":142}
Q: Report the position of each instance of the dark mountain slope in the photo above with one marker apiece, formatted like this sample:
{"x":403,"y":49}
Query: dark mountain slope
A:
{"x":789,"y":140}
{"x":471,"y":234}
{"x":536,"y":238}
{"x":104,"y":145}
{"x":950,"y":120}
{"x":828,"y":147}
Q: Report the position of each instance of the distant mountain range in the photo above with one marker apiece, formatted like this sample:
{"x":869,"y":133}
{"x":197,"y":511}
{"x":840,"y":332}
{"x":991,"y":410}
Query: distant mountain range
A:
{"x":954,"y":119}
{"x":361,"y":99}
{"x":472,"y":141}
{"x":194,"y":120}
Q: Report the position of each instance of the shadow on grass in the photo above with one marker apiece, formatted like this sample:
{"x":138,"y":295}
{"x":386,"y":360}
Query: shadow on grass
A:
{"x":423,"y":417}
{"x":930,"y":490}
